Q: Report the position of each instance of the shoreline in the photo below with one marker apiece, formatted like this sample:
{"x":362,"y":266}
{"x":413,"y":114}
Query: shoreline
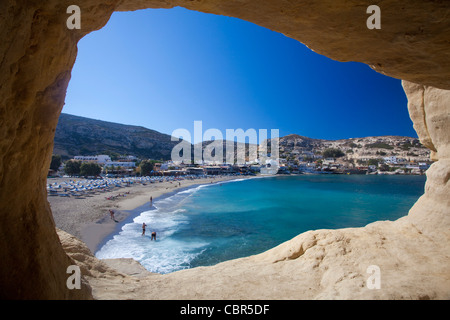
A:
{"x":133,"y":213}
{"x":88,"y":218}
{"x":192,"y":237}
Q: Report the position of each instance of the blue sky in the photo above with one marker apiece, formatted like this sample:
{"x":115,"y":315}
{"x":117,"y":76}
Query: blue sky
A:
{"x":164,"y":69}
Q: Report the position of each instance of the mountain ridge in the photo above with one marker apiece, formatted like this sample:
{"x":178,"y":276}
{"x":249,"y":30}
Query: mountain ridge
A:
{"x":76,"y":135}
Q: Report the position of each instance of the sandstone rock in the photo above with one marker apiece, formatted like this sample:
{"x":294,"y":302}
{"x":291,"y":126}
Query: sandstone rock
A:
{"x":128,"y":266}
{"x":429,"y":109}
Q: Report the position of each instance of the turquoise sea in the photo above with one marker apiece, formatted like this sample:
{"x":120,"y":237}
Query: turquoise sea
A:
{"x":212,"y":223}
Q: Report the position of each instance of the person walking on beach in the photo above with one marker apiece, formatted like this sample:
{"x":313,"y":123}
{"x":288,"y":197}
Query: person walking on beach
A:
{"x":153,"y":236}
{"x":143,"y":228}
{"x":151,"y":201}
{"x":111,"y":213}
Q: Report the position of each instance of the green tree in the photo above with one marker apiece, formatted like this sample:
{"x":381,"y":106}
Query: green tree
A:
{"x":90,"y":169}
{"x":333,"y":153}
{"x":113,"y":155}
{"x":146,"y":167}
{"x":72,"y":167}
{"x":56,"y":162}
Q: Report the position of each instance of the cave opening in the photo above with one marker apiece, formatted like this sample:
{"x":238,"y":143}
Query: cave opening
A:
{"x":37,"y":58}
{"x":226,"y":72}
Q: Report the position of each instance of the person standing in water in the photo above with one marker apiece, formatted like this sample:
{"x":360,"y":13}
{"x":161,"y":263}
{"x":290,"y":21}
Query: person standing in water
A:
{"x":153,"y":236}
{"x":143,"y":228}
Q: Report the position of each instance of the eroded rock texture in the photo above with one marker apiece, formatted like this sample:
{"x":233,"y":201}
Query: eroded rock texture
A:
{"x":37,"y":54}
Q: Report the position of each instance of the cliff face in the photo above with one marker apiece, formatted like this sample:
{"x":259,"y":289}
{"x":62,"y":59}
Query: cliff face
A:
{"x":429,"y":109}
{"x":36,"y":57}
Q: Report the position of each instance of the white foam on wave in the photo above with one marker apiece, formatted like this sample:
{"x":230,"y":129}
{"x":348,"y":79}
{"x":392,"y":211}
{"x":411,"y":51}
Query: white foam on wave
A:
{"x":193,"y":190}
{"x":170,"y":255}
{"x":164,"y":255}
{"x":167,"y":254}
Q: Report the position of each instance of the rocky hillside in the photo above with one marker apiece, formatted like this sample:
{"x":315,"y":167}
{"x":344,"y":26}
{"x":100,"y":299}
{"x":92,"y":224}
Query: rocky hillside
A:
{"x":356,"y":148}
{"x":83,"y":136}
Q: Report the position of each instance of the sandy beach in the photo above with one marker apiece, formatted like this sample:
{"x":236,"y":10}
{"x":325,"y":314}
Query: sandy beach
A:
{"x":88,"y":218}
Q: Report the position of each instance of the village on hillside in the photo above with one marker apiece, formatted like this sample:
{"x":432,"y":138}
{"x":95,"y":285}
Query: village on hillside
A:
{"x":297,"y":155}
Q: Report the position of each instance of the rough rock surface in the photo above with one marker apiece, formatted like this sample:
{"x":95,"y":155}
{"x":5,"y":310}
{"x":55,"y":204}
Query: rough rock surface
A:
{"x":36,"y":57}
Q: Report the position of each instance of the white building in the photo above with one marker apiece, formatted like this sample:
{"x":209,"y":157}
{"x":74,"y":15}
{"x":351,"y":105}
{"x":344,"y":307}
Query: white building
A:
{"x":100,"y":159}
{"x":105,"y":160}
{"x":270,"y":168}
{"x":392,"y":159}
{"x":423,"y":165}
